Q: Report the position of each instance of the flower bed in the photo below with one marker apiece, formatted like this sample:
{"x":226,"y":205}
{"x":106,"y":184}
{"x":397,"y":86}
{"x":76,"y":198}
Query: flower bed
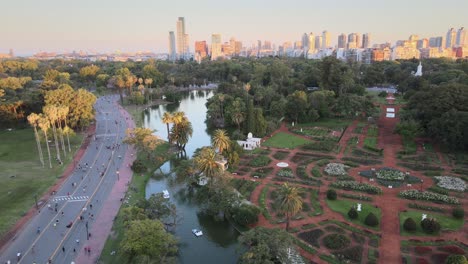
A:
{"x":285,"y":172}
{"x":451,"y":183}
{"x":259,"y":161}
{"x":390,"y":175}
{"x":428,"y":196}
{"x":312,"y":237}
{"x":335,"y":169}
{"x":356,"y":186}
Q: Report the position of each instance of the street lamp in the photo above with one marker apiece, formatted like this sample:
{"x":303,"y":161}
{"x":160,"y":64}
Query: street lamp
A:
{"x":421,"y":184}
{"x":118,"y":175}
{"x":37,"y":205}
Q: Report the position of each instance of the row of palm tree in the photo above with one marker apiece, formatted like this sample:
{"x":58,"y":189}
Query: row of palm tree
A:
{"x":53,"y":118}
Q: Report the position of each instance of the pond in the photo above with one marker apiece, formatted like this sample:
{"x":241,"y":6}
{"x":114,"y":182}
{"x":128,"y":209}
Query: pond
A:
{"x":219,"y":241}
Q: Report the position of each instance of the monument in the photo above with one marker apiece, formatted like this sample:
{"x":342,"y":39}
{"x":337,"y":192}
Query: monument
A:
{"x":419,"y":71}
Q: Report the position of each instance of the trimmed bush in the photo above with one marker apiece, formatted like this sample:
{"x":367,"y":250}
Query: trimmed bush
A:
{"x":352,"y":213}
{"x":336,"y":241}
{"x":331,"y":194}
{"x":456,"y":259}
{"x":138,"y":167}
{"x":410,"y":225}
{"x":458,"y":212}
{"x":371,"y":220}
{"x":430,"y":225}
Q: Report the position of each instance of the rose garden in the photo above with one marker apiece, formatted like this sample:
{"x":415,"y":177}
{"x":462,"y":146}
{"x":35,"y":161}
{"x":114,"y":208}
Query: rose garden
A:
{"x":366,"y":195}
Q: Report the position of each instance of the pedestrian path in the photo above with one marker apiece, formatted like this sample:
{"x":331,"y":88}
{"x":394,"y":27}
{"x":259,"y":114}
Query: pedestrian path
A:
{"x":71,"y":198}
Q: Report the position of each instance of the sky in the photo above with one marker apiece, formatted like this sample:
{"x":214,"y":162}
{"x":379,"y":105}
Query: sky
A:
{"x":30,"y":26}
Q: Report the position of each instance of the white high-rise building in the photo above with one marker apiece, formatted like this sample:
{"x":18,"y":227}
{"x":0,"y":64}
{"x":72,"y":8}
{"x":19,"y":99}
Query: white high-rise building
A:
{"x":318,"y":42}
{"x":462,"y":38}
{"x":182,"y":39}
{"x":311,"y":42}
{"x":172,"y":46}
{"x":451,"y":38}
{"x":216,"y":46}
{"x":326,"y":39}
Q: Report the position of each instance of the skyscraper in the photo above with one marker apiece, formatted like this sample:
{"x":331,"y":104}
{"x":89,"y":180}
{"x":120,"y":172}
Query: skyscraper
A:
{"x":182,"y":39}
{"x":311,"y":42}
{"x":451,"y":38}
{"x":172,"y":46}
{"x":318,"y":42}
{"x":462,"y":37}
{"x":325,"y":39}
{"x":216,"y":46}
{"x":352,"y":41}
{"x":201,"y":48}
{"x":305,"y":42}
{"x":358,"y":40}
{"x":366,"y":39}
{"x":342,"y":41}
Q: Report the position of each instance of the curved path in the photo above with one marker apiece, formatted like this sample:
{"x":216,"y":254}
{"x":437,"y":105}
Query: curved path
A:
{"x":82,"y":195}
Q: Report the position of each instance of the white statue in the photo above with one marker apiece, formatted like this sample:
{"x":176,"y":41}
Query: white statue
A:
{"x":359,"y":207}
{"x":424,"y":216}
{"x":419,"y":71}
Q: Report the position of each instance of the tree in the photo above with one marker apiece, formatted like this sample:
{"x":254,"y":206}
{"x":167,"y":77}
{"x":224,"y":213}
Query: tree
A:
{"x":33,"y":120}
{"x":148,"y":237}
{"x":88,"y":73}
{"x":245,"y":214}
{"x":158,"y":207}
{"x":352,"y":213}
{"x":290,"y":201}
{"x":143,"y":139}
{"x":124,"y":79}
{"x":331,"y":194}
{"x":50,"y":112}
{"x":409,"y":225}
{"x":206,"y":162}
{"x":296,"y":108}
{"x":44,"y":125}
{"x":236,"y":111}
{"x":371,"y":220}
{"x":167,"y":119}
{"x":220,"y":140}
{"x":260,"y":123}
{"x":266,"y":246}
{"x":181,"y":131}
{"x":458,"y":212}
{"x":132,"y":213}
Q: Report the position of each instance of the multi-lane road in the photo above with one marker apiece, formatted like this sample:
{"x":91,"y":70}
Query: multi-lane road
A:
{"x":61,"y":229}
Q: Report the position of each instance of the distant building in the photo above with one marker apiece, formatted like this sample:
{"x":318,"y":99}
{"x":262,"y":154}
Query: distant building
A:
{"x":318,"y":42}
{"x":182,"y":39}
{"x":311,"y":42}
{"x":342,"y":41}
{"x":462,"y":38}
{"x":423,"y":43}
{"x":172,"y":46}
{"x":405,"y":52}
{"x":352,"y":41}
{"x":381,"y":54}
{"x":326,"y":39}
{"x":366,"y":40}
{"x":451,"y":38}
{"x":437,"y":42}
{"x":201,"y":49}
{"x":216,"y":46}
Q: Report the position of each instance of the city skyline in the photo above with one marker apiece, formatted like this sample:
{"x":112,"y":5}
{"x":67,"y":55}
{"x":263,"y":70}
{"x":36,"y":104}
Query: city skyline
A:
{"x":90,"y":26}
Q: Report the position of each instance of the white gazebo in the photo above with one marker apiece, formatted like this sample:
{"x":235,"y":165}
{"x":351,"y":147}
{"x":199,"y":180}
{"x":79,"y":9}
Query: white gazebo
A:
{"x":251,"y":143}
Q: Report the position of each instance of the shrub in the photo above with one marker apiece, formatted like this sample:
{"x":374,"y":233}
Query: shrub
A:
{"x":353,"y":253}
{"x":352,"y":213}
{"x":371,"y":220}
{"x":428,"y":196}
{"x":331,"y":194}
{"x":426,"y":207}
{"x":139,"y":167}
{"x":245,"y":214}
{"x":458,"y":212}
{"x":336,"y":241}
{"x":452,"y":250}
{"x":430,"y":225}
{"x":312,"y":236}
{"x":456,"y":259}
{"x":410,"y":225}
{"x":316,"y":172}
{"x":285,"y":172}
{"x":422,"y":250}
{"x":260,"y":161}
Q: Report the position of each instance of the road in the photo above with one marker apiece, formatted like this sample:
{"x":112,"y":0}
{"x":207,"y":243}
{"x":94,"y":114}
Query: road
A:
{"x":46,"y":236}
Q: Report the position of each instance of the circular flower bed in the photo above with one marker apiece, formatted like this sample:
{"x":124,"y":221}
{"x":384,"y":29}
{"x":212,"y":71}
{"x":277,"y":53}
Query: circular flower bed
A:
{"x":451,"y":183}
{"x":336,"y":241}
{"x":336,"y":169}
{"x":390,"y":175}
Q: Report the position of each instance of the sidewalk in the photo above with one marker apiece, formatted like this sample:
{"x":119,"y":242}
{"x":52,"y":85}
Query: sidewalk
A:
{"x":105,"y":220}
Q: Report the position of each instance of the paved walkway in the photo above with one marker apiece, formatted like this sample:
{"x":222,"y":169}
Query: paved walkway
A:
{"x":105,"y":220}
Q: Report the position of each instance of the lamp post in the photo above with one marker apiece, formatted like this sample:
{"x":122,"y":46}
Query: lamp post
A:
{"x":118,"y":175}
{"x":421,"y":184}
{"x":35,"y":199}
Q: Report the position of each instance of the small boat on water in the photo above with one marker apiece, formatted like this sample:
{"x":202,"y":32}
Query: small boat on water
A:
{"x":166,"y":194}
{"x":197,"y":232}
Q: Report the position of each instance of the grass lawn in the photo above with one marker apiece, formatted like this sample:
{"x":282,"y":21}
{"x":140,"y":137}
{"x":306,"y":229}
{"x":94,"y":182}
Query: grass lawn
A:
{"x":446,"y":222}
{"x":343,"y":206}
{"x":284,"y":140}
{"x":370,"y":142}
{"x":138,"y":183}
{"x":332,"y":123}
{"x":19,"y":158}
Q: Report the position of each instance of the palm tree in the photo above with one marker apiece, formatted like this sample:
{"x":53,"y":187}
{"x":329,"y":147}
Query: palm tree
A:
{"x":148,"y":82}
{"x":33,"y":120}
{"x":44,"y":125}
{"x":205,"y":162}
{"x":60,"y":118}
{"x":167,"y":119}
{"x":63,"y":112}
{"x":50,"y":112}
{"x":290,"y":201}
{"x":220,"y":140}
{"x":181,"y":131}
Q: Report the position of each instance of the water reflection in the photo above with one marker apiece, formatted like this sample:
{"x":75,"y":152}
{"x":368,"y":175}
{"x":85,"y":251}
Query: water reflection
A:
{"x":219,"y":242}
